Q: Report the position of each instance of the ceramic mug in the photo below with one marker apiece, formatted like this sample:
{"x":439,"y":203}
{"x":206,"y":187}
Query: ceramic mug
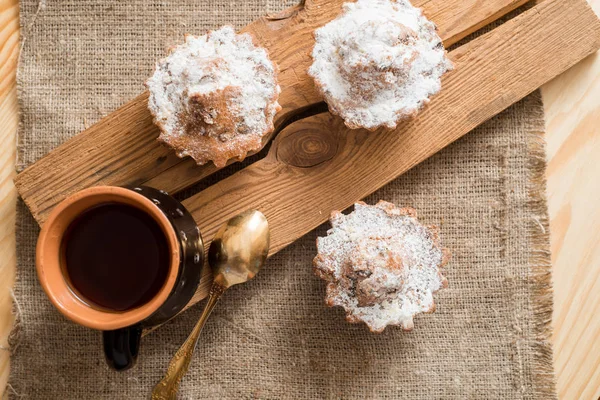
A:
{"x":122,"y":330}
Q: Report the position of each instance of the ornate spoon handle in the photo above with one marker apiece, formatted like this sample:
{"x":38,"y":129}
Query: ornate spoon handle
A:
{"x":167,"y":388}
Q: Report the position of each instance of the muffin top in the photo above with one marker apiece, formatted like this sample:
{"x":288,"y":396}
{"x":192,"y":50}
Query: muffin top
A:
{"x":381,"y":265}
{"x":378,"y":63}
{"x":215,"y":96}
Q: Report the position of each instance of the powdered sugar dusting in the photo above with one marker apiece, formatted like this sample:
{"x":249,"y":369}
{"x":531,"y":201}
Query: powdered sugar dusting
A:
{"x":381,"y":264}
{"x":378,"y":63}
{"x":214,"y":96}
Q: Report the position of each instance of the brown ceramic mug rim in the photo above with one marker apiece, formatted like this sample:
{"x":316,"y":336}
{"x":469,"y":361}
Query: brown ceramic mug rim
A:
{"x":51,"y":273}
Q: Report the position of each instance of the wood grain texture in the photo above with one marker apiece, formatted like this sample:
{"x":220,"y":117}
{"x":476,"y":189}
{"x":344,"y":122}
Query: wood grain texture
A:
{"x":572,"y":104}
{"x":121,"y":149}
{"x":295,"y":192}
{"x":9,"y":42}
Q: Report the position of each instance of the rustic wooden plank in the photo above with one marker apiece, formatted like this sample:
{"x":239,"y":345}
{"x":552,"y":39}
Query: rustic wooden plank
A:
{"x":121,"y":148}
{"x":482,"y":11}
{"x":492,"y":72}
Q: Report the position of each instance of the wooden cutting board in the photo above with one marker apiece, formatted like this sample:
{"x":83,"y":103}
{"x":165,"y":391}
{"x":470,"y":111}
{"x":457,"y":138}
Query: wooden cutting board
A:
{"x":315,"y":164}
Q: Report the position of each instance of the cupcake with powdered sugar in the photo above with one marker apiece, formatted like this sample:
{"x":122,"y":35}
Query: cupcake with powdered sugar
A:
{"x":381,"y":265}
{"x":214,"y":97}
{"x":378,"y":63}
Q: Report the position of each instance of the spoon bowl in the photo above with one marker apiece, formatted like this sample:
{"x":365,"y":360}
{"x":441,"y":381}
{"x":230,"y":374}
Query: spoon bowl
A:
{"x":239,"y":249}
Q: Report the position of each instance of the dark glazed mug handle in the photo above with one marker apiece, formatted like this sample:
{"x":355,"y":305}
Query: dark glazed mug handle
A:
{"x":121,"y":347}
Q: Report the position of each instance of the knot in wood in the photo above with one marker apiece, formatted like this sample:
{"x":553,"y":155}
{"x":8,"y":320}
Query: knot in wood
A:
{"x":307,"y":147}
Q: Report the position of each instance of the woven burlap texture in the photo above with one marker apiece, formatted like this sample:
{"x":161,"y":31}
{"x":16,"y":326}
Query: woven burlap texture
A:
{"x":274,"y":338}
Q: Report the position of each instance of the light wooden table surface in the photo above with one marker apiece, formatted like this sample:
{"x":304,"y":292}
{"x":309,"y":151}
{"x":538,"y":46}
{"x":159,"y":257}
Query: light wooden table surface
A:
{"x":572,"y":103}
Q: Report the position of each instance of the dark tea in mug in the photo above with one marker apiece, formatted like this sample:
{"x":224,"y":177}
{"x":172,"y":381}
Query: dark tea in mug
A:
{"x":115,"y":257}
{"x":120,"y":260}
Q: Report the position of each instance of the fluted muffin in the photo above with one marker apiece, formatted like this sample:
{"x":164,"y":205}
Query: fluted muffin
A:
{"x":214,"y":97}
{"x":378,"y":63}
{"x":381,"y":265}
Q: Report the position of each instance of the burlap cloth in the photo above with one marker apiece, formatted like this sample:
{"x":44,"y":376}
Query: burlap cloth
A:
{"x":274,"y":338}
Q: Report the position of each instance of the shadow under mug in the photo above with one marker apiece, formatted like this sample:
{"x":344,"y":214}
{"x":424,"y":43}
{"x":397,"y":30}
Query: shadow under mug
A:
{"x":122,"y":330}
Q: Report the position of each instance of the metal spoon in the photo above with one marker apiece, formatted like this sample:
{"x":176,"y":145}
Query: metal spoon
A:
{"x":236,"y":254}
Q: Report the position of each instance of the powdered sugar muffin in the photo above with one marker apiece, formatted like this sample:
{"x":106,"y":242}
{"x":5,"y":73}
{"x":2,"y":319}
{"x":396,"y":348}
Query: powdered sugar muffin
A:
{"x":215,"y":96}
{"x":378,"y":63}
{"x":381,"y":264}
